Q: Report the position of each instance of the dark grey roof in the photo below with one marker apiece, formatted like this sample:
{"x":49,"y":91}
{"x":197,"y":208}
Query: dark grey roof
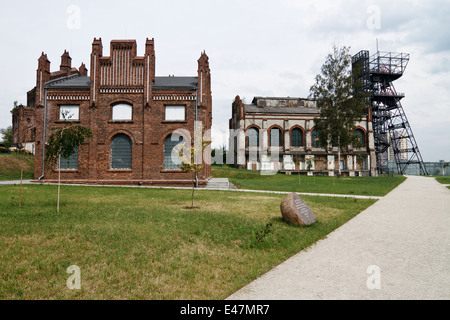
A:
{"x":70,"y":82}
{"x":251,"y":108}
{"x":175,"y":83}
{"x":79,"y":82}
{"x":255,"y":99}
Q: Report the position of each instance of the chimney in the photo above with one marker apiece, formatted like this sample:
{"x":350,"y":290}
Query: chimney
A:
{"x":42,"y":76}
{"x":82,"y":70}
{"x":97,"y":52}
{"x":149,"y":69}
{"x":204,"y":79}
{"x":44,"y":63}
{"x":66,"y":62}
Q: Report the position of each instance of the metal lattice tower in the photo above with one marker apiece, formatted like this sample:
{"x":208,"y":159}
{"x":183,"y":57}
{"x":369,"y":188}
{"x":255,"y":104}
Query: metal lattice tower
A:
{"x":392,"y":133}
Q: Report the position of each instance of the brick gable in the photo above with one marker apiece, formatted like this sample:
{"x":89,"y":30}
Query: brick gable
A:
{"x":122,"y":78}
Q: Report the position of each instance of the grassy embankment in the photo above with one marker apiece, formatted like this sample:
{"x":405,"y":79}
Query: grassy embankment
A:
{"x":11,"y":164}
{"x":253,"y":180}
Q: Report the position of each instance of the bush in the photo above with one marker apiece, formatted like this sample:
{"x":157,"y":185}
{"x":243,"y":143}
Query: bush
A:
{"x":20,"y":151}
{"x":4,"y":150}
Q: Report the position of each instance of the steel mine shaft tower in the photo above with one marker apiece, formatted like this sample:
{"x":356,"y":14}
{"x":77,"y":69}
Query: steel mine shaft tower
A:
{"x":392,"y":133}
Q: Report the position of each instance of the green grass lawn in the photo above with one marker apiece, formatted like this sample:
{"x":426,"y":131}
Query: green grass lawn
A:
{"x":11,"y":164}
{"x":443,"y":180}
{"x":141,"y":243}
{"x":253,"y":180}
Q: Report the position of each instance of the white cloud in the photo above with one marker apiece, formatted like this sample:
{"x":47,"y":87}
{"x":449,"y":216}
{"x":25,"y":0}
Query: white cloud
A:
{"x":255,"y":47}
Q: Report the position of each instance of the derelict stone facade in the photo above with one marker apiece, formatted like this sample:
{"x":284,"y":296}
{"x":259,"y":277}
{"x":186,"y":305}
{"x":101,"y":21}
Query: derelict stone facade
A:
{"x":277,"y":134}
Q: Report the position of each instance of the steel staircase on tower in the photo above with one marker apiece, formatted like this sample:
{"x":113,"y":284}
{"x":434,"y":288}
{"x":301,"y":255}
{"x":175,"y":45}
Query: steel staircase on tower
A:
{"x":394,"y":139}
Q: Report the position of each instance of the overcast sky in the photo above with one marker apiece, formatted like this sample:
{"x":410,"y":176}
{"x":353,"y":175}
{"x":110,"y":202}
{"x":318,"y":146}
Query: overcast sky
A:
{"x":256,"y":48}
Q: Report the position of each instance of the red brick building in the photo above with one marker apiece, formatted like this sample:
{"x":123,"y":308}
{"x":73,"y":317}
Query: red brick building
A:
{"x":136,"y":118}
{"x":23,"y":128}
{"x":23,"y":117}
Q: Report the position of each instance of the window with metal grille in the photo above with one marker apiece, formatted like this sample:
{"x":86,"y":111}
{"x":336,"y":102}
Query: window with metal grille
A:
{"x":70,"y":163}
{"x":296,"y":137}
{"x":172,"y":159}
{"x":253,"y":137}
{"x":121,"y":148}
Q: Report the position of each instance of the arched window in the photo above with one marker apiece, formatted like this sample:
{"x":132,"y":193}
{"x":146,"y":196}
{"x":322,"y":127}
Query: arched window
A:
{"x":121,"y":152}
{"x":253,"y":137}
{"x":296,"y":137}
{"x":171,"y":153}
{"x":361,"y":137}
{"x":315,"y":139}
{"x":122,"y":111}
{"x":275,"y":137}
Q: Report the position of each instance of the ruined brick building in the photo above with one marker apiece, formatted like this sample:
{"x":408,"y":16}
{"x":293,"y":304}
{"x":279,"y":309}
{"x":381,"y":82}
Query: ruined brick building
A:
{"x":23,"y":117}
{"x":137,"y":118}
{"x":24,"y":128}
{"x":277,"y":134}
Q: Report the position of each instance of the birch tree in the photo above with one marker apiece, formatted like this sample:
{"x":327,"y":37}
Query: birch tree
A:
{"x":63,"y":143}
{"x":191,"y":156}
{"x":339,"y":100}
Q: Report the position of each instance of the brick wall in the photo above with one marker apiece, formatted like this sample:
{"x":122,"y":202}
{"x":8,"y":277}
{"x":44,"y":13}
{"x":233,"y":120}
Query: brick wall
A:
{"x":123,"y":78}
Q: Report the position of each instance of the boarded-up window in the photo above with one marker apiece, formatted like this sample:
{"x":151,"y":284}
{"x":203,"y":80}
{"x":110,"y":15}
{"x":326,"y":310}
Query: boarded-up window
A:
{"x":275,"y":137}
{"x":69,"y":112}
{"x":122,"y":112}
{"x":70,"y":163}
{"x":121,"y":152}
{"x":253,"y":137}
{"x":171,"y":153}
{"x":175,"y":113}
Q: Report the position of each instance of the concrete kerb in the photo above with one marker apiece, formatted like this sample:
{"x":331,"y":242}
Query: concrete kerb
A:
{"x":197,"y":189}
{"x":13,"y":182}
